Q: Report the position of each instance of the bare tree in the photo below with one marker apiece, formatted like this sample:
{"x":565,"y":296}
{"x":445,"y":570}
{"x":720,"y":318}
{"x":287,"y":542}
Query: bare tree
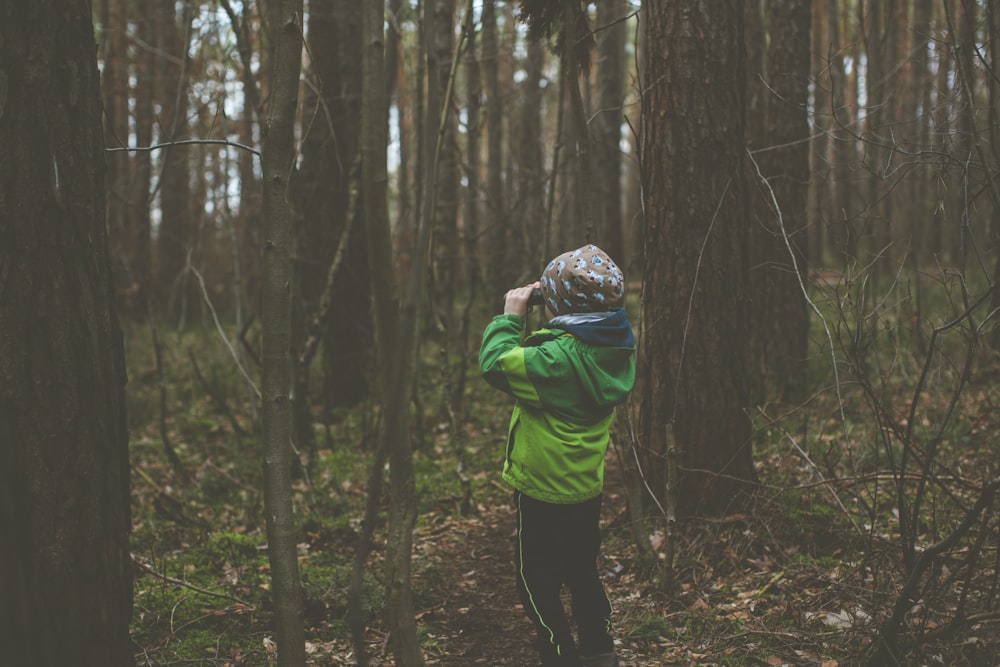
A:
{"x":278,"y":152}
{"x":395,"y":339}
{"x":65,"y":572}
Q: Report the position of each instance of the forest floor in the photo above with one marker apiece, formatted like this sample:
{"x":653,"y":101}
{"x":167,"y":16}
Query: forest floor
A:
{"x":742,"y":596}
{"x":750,"y":613}
{"x":806,"y":575}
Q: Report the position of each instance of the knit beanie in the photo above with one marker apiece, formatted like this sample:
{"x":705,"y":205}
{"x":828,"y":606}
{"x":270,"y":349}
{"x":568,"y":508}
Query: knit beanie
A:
{"x":584,"y":280}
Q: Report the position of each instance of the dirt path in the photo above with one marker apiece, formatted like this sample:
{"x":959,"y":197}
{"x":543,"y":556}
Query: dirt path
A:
{"x":480,"y":620}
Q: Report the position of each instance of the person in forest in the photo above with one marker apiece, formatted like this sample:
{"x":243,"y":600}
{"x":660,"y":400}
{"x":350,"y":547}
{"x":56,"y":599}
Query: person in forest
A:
{"x":566,"y":379}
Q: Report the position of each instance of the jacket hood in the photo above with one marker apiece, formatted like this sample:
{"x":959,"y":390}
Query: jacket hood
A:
{"x":607,"y":329}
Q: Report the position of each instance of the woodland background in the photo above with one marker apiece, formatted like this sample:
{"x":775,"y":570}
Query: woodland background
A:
{"x":286,"y":223}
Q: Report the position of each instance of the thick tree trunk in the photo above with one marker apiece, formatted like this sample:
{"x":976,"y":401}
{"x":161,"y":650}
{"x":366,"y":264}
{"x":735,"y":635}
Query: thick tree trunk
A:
{"x":324,"y":184}
{"x":278,"y":152}
{"x":66,"y":582}
{"x":695,"y":309}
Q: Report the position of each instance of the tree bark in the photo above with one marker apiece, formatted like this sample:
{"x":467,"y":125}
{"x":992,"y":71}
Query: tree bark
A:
{"x":780,"y":318}
{"x":141,"y":232}
{"x":497,"y":238}
{"x":395,"y":338}
{"x":277,"y":156}
{"x":524,"y":224}
{"x":441,"y":195}
{"x":324,"y":183}
{"x":66,"y":583}
{"x":175,"y":237}
{"x":115,"y":92}
{"x":608,"y":123}
{"x":693,"y":348}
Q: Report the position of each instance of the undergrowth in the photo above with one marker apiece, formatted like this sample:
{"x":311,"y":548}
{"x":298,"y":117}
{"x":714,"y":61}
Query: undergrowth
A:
{"x":808,"y":575}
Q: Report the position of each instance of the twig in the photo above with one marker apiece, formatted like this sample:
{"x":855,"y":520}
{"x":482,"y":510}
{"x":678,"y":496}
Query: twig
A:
{"x":222,"y":334}
{"x":179,"y":582}
{"x":805,"y":295}
{"x":157,"y":147}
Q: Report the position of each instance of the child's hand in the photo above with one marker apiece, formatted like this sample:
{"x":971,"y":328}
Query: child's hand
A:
{"x":516,"y":300}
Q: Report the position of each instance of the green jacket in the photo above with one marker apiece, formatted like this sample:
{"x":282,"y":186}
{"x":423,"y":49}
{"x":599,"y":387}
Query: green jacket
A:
{"x":566,"y":389}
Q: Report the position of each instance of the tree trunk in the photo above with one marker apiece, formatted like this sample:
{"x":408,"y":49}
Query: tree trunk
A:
{"x":400,"y":87}
{"x":66,"y":587}
{"x":441,"y":195}
{"x":819,"y":209}
{"x":780,"y":317}
{"x":324,"y":184}
{"x":961,"y":223}
{"x":608,"y":123}
{"x":175,"y":238}
{"x":693,"y":346}
{"x":115,"y":92}
{"x":142,"y":257}
{"x":395,"y":337}
{"x":471,"y":217}
{"x":497,"y":242}
{"x":525,"y":223}
{"x":277,"y":154}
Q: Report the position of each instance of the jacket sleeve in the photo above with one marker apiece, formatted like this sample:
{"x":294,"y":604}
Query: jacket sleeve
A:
{"x":511,"y":367}
{"x":502,"y":337}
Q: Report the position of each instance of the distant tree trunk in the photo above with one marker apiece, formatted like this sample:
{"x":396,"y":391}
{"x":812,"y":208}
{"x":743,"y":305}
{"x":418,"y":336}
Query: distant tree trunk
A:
{"x":960,"y":229}
{"x":396,"y":338}
{"x":277,"y":154}
{"x":324,"y":183}
{"x":471,"y":215}
{"x":400,"y":87}
{"x":115,"y":92}
{"x":439,"y":30}
{"x":946,"y":181}
{"x":66,"y":582}
{"x":142,"y":257}
{"x":576,"y":205}
{"x":633,"y":178}
{"x":780,"y":318}
{"x":248,"y":218}
{"x":695,"y":304}
{"x":923,"y":86}
{"x":843,"y":110}
{"x":576,"y":40}
{"x":993,"y":27}
{"x":761,"y":211}
{"x":526,"y":220}
{"x":497,"y":242}
{"x":819,"y":210}
{"x":175,"y":232}
{"x":608,"y":118}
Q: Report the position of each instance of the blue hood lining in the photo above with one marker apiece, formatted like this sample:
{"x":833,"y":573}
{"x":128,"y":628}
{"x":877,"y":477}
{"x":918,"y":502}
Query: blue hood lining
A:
{"x":608,"y":329}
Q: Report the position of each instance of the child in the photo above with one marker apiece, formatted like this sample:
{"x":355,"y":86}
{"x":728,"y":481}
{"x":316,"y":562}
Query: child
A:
{"x":566,"y":378}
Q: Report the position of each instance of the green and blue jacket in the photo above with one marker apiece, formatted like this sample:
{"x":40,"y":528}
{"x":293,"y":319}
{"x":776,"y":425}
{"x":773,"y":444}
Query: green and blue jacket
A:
{"x":567,"y":379}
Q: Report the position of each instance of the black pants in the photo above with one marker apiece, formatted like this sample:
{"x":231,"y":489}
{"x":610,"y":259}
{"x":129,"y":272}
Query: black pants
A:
{"x":556,"y":545}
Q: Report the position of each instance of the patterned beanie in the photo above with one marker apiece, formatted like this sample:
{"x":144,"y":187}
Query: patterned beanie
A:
{"x":584,"y":280}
